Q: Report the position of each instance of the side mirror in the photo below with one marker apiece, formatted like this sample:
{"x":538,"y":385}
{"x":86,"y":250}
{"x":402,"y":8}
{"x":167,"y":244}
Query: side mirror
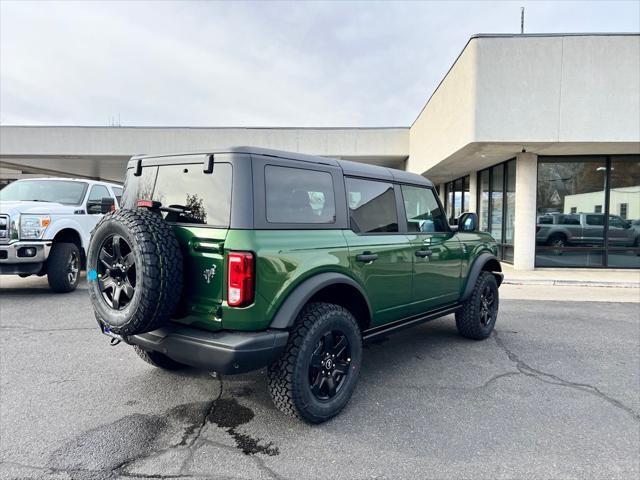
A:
{"x":107,"y":204}
{"x":468,"y":222}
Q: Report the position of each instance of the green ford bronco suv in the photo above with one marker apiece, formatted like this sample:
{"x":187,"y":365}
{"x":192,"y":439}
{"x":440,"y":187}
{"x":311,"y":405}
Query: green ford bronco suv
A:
{"x":247,"y":258}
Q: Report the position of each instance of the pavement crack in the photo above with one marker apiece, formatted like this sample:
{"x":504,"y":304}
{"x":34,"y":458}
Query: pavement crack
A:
{"x":192,"y":445}
{"x":496,"y":377}
{"x":260,"y":463}
{"x":189,"y":439}
{"x":208,"y":414}
{"x":549,"y":378}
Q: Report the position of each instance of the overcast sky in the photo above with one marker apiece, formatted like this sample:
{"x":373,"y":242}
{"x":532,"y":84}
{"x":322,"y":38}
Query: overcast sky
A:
{"x":252,"y":64}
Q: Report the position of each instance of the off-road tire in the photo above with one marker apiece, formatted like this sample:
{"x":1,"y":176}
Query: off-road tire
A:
{"x":468,"y":318}
{"x":289,"y":384}
{"x":158,"y":359}
{"x":58,"y":267}
{"x":158,"y":271}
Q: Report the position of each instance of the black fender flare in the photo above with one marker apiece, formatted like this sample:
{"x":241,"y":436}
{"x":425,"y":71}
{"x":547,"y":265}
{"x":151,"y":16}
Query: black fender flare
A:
{"x":474,"y":273}
{"x":290,"y":308}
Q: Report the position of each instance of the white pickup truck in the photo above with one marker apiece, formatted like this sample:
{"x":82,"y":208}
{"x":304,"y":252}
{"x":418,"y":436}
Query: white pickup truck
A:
{"x":46,"y":223}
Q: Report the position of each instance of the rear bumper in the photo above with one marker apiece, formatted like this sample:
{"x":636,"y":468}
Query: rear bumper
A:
{"x":226,"y":352}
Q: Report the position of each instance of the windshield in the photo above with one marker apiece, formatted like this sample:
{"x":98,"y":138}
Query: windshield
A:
{"x":58,"y":191}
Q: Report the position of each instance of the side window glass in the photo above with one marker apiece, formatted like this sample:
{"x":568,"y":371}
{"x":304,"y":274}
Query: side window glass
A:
{"x":372,"y":206}
{"x":596,"y":220}
{"x":94,"y":203}
{"x":616,"y":222}
{"x":422,"y":209}
{"x":295,"y":195}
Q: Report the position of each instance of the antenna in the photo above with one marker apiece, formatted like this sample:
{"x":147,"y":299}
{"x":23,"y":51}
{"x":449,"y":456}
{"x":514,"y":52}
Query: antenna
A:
{"x":521,"y":20}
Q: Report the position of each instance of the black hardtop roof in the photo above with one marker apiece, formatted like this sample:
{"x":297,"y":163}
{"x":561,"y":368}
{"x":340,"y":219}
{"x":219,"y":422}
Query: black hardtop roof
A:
{"x":351,"y":168}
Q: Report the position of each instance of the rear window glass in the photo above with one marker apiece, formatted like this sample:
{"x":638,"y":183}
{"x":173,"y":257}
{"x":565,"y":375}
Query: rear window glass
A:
{"x":197,"y":197}
{"x":138,"y":188}
{"x":372,"y":206}
{"x":117,"y":191}
{"x":295,"y":195}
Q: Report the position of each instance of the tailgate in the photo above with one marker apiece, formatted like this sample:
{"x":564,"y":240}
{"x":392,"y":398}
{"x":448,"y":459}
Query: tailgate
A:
{"x":204,"y":273}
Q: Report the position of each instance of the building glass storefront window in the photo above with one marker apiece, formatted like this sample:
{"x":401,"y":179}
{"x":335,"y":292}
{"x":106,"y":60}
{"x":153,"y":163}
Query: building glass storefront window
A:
{"x":581,"y":208}
{"x":496,"y":205}
{"x":483,"y":203}
{"x":456,"y":200}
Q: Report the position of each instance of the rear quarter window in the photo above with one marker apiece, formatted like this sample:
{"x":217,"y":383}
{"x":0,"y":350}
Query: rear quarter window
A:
{"x":295,"y":195}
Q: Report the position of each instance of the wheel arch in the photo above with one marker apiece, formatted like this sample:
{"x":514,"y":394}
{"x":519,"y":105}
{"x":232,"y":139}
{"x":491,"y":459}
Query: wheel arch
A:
{"x":331,"y":287}
{"x":485,"y":262}
{"x":71,"y":235}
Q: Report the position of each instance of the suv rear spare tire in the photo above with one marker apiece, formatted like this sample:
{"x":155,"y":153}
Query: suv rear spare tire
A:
{"x":134,"y":271}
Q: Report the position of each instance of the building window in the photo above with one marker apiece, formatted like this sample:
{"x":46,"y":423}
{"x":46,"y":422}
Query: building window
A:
{"x":578,"y":199}
{"x":624,"y":207}
{"x":456,"y":198}
{"x":496,"y":205}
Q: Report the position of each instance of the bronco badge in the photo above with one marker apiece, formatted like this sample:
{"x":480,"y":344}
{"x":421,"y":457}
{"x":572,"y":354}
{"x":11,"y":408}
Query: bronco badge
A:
{"x":209,"y":273}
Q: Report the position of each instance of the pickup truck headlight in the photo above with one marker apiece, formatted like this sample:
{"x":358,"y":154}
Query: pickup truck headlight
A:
{"x":32,"y":227}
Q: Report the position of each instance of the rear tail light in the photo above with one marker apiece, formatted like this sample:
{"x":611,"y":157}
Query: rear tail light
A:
{"x":148,"y":204}
{"x":241,"y":279}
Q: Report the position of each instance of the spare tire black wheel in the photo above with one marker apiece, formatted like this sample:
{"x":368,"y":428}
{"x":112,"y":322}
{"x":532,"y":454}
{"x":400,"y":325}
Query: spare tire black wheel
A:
{"x":134,"y":271}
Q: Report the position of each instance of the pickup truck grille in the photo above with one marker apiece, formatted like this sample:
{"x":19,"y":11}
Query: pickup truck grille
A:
{"x":4,"y":228}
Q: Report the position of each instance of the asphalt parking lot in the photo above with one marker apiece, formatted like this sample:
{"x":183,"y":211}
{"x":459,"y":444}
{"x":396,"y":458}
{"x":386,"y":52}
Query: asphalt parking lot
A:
{"x":555,"y":393}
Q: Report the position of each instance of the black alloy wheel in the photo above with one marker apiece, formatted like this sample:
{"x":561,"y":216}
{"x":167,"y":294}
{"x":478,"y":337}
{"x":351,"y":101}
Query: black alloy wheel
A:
{"x":116,"y":272}
{"x":487,"y":306}
{"x":73,"y":267}
{"x":479,"y":313}
{"x":329,"y":365}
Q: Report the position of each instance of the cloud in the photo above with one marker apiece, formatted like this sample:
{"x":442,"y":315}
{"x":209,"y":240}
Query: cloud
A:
{"x":252,"y":63}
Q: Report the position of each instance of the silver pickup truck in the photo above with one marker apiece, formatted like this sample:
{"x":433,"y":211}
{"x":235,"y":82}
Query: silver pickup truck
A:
{"x":46,"y":223}
{"x":582,"y":229}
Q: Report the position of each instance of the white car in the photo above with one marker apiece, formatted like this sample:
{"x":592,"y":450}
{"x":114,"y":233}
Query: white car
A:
{"x":46,"y":223}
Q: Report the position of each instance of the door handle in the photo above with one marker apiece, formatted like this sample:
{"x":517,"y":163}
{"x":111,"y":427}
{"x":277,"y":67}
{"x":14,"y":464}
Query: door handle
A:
{"x":423,"y":253}
{"x":367,"y":257}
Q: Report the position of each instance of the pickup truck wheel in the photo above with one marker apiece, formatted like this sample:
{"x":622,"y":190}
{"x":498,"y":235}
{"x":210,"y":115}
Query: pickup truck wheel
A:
{"x":317,"y":373}
{"x":478,"y":315}
{"x":63,"y":267}
{"x":134,"y":271}
{"x":558,"y":242}
{"x":157,"y":359}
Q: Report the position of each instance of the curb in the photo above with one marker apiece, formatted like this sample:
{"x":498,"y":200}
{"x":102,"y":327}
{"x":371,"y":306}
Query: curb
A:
{"x":572,"y":283}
